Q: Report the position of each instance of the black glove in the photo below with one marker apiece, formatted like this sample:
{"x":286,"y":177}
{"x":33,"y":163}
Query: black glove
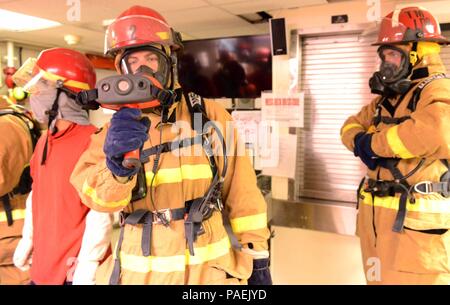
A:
{"x":261,"y":273}
{"x":363,"y":150}
{"x":126,"y":133}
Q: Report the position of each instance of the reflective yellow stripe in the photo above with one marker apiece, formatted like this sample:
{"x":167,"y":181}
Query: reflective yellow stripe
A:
{"x":174,"y":263}
{"x":175,"y":175}
{"x":422,"y":205}
{"x":92,"y":194}
{"x":396,"y":144}
{"x":16,"y":214}
{"x":249,"y":223}
{"x":71,"y":83}
{"x":350,"y":126}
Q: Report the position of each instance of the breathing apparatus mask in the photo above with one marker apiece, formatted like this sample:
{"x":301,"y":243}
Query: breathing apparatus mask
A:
{"x":145,"y":81}
{"x":392,"y":77}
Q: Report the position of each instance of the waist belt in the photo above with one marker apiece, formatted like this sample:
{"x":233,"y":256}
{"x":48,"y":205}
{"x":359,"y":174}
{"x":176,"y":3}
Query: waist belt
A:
{"x":390,"y":188}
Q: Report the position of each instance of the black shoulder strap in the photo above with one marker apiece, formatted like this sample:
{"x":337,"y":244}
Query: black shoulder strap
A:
{"x":32,"y":126}
{"x":412,"y":106}
{"x":199,"y":119}
{"x":197,"y":109}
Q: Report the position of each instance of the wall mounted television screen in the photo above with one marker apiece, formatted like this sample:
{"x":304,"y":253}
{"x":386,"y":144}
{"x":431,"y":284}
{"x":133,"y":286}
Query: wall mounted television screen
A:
{"x":235,"y":67}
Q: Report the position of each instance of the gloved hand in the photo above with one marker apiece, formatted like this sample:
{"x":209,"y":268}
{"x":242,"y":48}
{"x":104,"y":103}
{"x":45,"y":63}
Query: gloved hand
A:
{"x":364,"y":151}
{"x":22,"y":254}
{"x":126,"y":133}
{"x":85,"y":273}
{"x":261,"y":273}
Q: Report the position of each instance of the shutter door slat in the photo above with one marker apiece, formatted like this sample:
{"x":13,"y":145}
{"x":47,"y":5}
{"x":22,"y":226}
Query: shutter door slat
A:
{"x":334,"y":75}
{"x":445,"y":52}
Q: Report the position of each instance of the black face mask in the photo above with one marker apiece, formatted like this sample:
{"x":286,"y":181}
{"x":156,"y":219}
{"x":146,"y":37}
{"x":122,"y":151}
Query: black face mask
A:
{"x":391,"y":80}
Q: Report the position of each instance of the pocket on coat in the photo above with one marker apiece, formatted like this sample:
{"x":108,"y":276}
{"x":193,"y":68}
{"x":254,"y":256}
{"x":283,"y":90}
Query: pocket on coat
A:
{"x":423,"y":251}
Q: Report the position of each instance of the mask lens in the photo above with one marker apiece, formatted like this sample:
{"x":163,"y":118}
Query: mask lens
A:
{"x":150,"y":57}
{"x":393,"y":63}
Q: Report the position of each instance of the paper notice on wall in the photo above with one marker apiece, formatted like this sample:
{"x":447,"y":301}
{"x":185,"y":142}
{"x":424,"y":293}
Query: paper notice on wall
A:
{"x":247,"y":124}
{"x":284,"y":108}
{"x":282,"y":158}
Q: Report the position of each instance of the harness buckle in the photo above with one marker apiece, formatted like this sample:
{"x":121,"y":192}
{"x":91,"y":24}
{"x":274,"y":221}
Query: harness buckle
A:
{"x":121,"y":219}
{"x":163,"y":216}
{"x":428,"y":187}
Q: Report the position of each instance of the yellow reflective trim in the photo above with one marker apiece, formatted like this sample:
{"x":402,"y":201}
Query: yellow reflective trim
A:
{"x":92,"y":194}
{"x":396,"y":144}
{"x":421,"y":205}
{"x":249,"y":223}
{"x":71,"y":83}
{"x":16,"y":215}
{"x":175,"y":263}
{"x":178,"y":174}
{"x":350,"y":126}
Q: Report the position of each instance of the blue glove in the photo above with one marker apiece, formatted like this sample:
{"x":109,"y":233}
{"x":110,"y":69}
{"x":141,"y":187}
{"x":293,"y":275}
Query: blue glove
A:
{"x":363,"y":150}
{"x":126,"y":133}
{"x":261,"y":273}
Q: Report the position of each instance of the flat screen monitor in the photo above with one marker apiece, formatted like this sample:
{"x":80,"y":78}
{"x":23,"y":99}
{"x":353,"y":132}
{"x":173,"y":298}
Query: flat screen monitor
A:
{"x":235,"y":67}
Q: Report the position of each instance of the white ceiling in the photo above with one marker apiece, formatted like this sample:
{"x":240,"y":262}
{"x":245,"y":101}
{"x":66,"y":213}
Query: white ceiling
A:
{"x":196,"y":19}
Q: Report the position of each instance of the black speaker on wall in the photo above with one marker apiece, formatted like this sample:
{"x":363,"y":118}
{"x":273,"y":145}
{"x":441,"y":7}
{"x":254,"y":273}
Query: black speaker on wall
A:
{"x":278,"y":36}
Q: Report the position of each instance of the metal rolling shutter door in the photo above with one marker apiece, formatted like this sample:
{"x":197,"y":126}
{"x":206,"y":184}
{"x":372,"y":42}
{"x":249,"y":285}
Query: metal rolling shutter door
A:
{"x":445,"y":53}
{"x":334,"y":75}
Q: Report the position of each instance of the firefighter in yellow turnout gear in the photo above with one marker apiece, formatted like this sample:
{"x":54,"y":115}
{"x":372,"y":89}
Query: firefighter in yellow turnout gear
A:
{"x":187,"y":216}
{"x":19,"y":135}
{"x":403,"y":137}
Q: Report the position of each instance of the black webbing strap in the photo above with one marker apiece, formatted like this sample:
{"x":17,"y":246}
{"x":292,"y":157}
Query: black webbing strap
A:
{"x":115,"y":275}
{"x":228,"y":228}
{"x":52,"y":114}
{"x":358,"y":191}
{"x":401,"y":214}
{"x":404,"y":196}
{"x":8,"y":209}
{"x":146,"y":218}
{"x":193,"y":223}
{"x":169,"y":146}
{"x":396,"y":121}
{"x":196,"y":106}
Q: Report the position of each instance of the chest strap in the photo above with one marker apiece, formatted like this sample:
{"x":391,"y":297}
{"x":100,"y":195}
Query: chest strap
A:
{"x":8,"y":209}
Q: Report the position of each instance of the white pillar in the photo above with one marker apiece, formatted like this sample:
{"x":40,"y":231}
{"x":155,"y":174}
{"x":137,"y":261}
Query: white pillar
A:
{"x":10,"y":54}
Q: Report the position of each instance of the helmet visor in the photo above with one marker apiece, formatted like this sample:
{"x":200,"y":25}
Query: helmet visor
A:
{"x":33,"y":79}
